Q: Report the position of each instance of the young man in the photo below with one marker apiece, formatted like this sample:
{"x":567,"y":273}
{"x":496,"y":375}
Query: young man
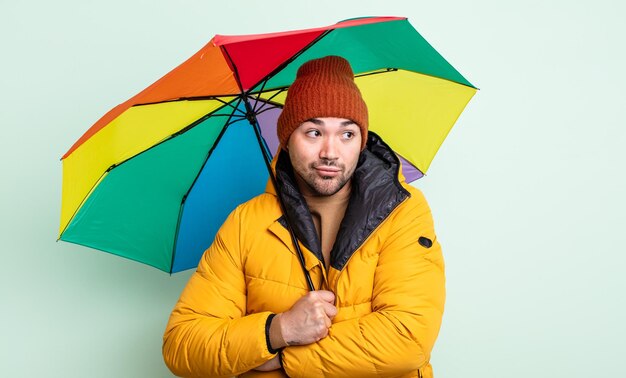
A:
{"x":369,"y":246}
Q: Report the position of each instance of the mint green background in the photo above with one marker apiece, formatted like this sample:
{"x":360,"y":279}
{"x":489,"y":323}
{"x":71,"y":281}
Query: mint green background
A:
{"x":527,"y":191}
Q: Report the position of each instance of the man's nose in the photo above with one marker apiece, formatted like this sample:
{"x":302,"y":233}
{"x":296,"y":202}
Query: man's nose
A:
{"x":329,"y":148}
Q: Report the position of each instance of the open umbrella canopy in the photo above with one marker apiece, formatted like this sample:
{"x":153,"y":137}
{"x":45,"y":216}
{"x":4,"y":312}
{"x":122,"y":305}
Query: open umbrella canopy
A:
{"x":156,"y":176}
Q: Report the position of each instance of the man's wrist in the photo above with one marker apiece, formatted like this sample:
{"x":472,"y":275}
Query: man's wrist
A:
{"x":268,"y":339}
{"x":276,"y":339}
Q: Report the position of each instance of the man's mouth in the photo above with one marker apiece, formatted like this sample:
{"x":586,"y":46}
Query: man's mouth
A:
{"x":327,"y":171}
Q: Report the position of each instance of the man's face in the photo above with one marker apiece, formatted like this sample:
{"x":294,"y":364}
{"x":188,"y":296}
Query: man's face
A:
{"x":324,"y":153}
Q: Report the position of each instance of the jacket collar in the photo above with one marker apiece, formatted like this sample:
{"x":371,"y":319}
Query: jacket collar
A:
{"x":376,"y":192}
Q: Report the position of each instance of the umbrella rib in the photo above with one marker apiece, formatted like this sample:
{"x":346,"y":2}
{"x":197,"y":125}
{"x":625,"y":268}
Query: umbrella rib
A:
{"x":263,"y":107}
{"x":230,"y":122}
{"x":176,"y":232}
{"x":256,"y":100}
{"x":269,"y":101}
{"x":276,"y":94}
{"x":193,"y":98}
{"x":174,"y":135}
{"x":263,"y":110}
{"x":230,"y":105}
{"x":82,"y":202}
{"x":219,"y":137}
{"x":235,"y":70}
{"x":377,"y":72}
{"x":184,"y":198}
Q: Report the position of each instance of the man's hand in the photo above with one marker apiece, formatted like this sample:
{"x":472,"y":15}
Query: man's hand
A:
{"x":306,"y":322}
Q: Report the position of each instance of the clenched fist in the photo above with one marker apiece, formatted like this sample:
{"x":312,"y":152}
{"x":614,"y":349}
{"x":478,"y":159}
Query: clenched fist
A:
{"x":306,"y":322}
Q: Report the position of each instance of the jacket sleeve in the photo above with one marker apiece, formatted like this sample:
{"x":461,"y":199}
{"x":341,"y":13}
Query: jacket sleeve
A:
{"x":407,"y":307}
{"x":207,"y":334}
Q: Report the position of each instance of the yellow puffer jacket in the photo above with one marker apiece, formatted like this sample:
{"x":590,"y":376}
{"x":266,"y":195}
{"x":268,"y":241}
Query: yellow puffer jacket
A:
{"x":386,"y":271}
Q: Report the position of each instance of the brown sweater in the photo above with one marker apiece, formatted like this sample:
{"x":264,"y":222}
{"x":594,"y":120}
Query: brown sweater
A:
{"x":327,"y":213}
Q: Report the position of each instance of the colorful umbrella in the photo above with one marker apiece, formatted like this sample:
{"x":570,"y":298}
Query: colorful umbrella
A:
{"x":156,"y":176}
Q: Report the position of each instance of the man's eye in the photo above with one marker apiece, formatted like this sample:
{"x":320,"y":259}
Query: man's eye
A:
{"x":313,"y":133}
{"x":348,"y":135}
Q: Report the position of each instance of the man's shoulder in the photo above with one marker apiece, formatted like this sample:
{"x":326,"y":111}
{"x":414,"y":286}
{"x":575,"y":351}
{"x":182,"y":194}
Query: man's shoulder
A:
{"x":416,"y":201}
{"x":263,"y":206}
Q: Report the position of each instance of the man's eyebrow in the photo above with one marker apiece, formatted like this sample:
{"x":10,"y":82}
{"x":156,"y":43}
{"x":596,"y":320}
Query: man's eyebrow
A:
{"x":315,"y":121}
{"x":319,"y":122}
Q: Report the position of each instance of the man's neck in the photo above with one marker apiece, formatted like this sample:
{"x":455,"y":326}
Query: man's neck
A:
{"x":327,"y":213}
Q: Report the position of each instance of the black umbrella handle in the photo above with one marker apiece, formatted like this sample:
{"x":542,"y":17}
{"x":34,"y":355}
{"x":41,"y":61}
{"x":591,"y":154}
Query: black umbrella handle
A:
{"x":255,"y":125}
{"x":294,"y":240}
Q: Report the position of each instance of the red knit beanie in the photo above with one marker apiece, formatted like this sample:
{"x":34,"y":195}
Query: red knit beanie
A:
{"x":323,"y":87}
